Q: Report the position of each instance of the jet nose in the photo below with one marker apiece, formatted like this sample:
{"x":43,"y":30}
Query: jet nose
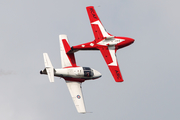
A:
{"x":96,"y":74}
{"x":130,"y":40}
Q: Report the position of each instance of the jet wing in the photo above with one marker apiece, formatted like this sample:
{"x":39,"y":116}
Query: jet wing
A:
{"x":109,"y":54}
{"x":76,"y":94}
{"x":97,"y":27}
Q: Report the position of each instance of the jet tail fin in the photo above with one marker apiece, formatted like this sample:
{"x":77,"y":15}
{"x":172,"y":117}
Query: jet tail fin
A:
{"x":49,"y":68}
{"x":67,"y":59}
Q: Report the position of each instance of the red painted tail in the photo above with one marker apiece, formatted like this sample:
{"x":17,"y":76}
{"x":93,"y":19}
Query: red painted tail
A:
{"x":67,"y":59}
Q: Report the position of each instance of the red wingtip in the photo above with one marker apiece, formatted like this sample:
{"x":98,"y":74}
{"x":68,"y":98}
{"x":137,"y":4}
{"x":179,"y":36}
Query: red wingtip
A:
{"x":92,"y":14}
{"x":116,"y":73}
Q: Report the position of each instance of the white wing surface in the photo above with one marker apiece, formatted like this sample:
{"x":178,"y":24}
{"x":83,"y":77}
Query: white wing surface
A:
{"x":76,"y":94}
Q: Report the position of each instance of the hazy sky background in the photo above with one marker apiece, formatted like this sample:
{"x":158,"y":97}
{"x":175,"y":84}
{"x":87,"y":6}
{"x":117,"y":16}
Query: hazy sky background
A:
{"x":150,"y":66}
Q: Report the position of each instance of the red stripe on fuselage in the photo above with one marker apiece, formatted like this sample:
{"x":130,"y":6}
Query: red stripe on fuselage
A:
{"x":86,"y":46}
{"x":74,"y":79}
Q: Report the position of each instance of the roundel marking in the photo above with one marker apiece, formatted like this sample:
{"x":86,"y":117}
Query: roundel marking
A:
{"x":78,"y":96}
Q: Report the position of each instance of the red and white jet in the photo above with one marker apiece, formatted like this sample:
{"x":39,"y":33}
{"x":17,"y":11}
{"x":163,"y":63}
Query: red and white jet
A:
{"x":74,"y":75}
{"x":105,"y":42}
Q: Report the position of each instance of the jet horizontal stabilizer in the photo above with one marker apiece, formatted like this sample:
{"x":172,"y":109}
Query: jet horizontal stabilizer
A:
{"x":49,"y":68}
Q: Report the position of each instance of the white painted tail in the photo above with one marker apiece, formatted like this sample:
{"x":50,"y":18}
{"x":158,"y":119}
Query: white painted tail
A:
{"x":49,"y":68}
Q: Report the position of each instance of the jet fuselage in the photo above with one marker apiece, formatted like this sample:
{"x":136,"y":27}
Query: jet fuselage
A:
{"x":79,"y":74}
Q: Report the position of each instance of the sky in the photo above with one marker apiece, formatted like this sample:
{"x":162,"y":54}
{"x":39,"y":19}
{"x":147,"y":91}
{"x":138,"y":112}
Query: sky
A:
{"x":150,"y":66}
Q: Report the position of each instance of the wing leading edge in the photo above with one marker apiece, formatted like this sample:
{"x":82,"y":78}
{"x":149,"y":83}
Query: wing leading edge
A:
{"x":109,"y":55}
{"x":76,"y":94}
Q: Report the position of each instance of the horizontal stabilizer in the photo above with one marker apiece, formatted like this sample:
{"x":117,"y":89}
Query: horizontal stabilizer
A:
{"x":49,"y":68}
{"x":50,"y":72}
